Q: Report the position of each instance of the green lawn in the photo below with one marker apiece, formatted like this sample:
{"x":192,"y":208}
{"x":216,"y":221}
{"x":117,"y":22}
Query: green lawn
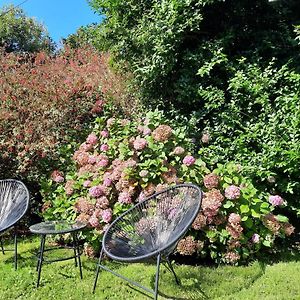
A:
{"x":61,"y":280}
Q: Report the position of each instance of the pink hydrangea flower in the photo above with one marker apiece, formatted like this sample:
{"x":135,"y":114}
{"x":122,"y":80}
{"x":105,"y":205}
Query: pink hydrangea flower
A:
{"x":234,"y":218}
{"x":107,"y":182}
{"x":211,"y":181}
{"x":255,"y":238}
{"x":140,"y":128}
{"x":142,"y":197}
{"x":276,"y":200}
{"x":140,"y":143}
{"x":98,"y":107}
{"x":92,"y":139}
{"x":103,"y":162}
{"x":147,"y":131}
{"x":69,"y":187}
{"x":104,"y":147}
{"x":125,"y":198}
{"x":189,"y":160}
{"x":59,"y":179}
{"x":92,"y":159}
{"x":211,"y":203}
{"x":110,"y":122}
{"x":102,"y":203}
{"x":130,"y":163}
{"x":94,"y":221}
{"x":85,"y":147}
{"x":231,"y":257}
{"x":124,"y":122}
{"x":106,"y":215}
{"x":87,"y":183}
{"x":104,"y":133}
{"x":232,"y":192}
{"x":143,"y":173}
{"x":178,"y":150}
{"x":96,"y":191}
{"x":57,"y":176}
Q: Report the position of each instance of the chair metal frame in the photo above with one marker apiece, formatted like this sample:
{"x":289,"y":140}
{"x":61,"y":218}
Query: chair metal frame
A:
{"x":160,"y":256}
{"x":13,"y":225}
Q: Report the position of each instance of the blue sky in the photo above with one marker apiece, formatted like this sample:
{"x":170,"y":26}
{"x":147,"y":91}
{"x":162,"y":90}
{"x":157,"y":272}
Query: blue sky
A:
{"x":60,"y":17}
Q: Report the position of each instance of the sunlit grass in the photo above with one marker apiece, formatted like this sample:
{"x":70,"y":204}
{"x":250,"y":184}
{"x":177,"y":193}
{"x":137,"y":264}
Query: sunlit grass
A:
{"x":62,"y":281}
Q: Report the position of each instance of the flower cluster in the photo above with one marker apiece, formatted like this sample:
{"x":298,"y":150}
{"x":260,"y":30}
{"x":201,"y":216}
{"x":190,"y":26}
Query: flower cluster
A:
{"x":57,"y":176}
{"x":234,"y":226}
{"x":140,"y":143}
{"x":276,"y":200}
{"x":122,"y":162}
{"x":211,"y":181}
{"x":112,"y":170}
{"x":189,"y":246}
{"x":231,"y":257}
{"x":200,"y":222}
{"x":189,"y":160}
{"x":211,"y":203}
{"x":232,"y":192}
{"x":162,"y":133}
{"x":275,"y":226}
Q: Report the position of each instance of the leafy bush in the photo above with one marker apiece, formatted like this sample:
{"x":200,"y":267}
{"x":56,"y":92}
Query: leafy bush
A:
{"x":45,"y":102}
{"x":123,"y":161}
{"x":20,"y":33}
{"x":164,"y":43}
{"x":226,"y":61}
{"x":258,"y":127}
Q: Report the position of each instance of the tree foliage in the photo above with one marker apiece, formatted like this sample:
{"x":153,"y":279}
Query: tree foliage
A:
{"x":85,"y":35}
{"x":165,"y":42}
{"x":19,"y":33}
{"x":259,"y":127}
{"x":235,"y":64}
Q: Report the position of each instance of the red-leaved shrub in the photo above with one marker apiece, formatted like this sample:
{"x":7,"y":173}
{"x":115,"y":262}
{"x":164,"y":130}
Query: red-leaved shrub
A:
{"x":44,"y":101}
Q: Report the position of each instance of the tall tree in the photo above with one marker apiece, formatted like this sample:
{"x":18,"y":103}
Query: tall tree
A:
{"x":20,"y":33}
{"x":165,"y":42}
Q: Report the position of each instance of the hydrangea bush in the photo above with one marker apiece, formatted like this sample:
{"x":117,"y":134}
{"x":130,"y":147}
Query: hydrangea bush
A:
{"x":124,"y":161}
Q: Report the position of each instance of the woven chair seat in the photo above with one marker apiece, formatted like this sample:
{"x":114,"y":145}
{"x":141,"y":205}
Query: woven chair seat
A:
{"x":14,"y":200}
{"x":151,"y":230}
{"x":154,"y":225}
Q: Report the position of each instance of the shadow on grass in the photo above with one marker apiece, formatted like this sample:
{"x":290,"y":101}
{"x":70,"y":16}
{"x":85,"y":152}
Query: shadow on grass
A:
{"x":199,"y":283}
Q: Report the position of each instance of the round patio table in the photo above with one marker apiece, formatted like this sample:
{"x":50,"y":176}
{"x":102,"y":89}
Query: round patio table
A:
{"x":57,"y":227}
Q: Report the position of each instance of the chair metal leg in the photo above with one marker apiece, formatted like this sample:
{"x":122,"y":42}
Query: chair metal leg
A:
{"x":1,"y":244}
{"x":172,"y":270}
{"x":98,"y":269}
{"x":40,"y":259}
{"x":75,"y":248}
{"x":75,"y":240}
{"x":16,"y":249}
{"x":157,"y":276}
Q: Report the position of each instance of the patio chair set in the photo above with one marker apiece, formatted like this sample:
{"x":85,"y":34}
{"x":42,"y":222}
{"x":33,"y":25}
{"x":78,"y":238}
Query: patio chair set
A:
{"x":148,"y":232}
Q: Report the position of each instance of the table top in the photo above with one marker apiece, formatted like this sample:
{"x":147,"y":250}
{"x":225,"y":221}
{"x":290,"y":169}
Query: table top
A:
{"x":56,"y":227}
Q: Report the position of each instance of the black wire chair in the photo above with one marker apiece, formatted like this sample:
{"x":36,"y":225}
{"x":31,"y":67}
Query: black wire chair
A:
{"x":14,"y":202}
{"x":151,"y":230}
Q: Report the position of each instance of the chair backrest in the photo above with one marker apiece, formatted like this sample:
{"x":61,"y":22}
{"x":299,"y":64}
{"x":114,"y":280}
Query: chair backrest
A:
{"x":154,"y":225}
{"x":14,"y":202}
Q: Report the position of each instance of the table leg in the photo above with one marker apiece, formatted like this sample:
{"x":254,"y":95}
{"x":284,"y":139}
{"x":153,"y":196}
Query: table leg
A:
{"x":75,"y":249}
{"x":40,"y":258}
{"x":76,"y":244}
